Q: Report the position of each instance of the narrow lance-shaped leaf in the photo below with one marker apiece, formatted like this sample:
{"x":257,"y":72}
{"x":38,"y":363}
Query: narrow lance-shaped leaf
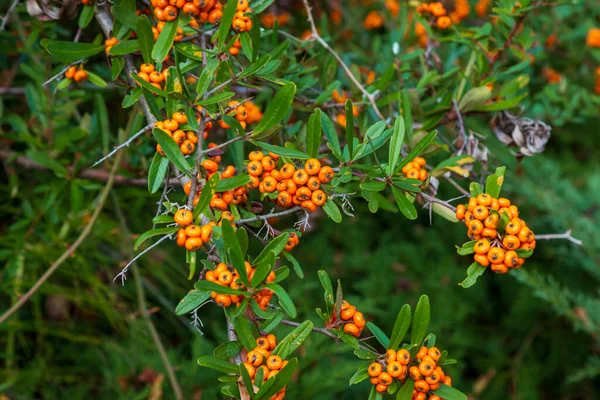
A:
{"x":420,"y":322}
{"x":418,"y":149}
{"x":401,"y":326}
{"x":474,"y":271}
{"x":349,"y":127}
{"x":154,"y":232}
{"x":493,"y":183}
{"x":406,"y":207}
{"x":145,"y":38}
{"x":396,"y":144}
{"x":278,"y":107}
{"x":235,"y":251}
{"x":157,"y":172}
{"x":218,"y":364}
{"x":164,"y":42}
{"x":171,"y":150}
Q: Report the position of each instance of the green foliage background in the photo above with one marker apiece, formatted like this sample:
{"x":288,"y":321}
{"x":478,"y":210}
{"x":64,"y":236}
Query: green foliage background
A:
{"x":530,"y":334}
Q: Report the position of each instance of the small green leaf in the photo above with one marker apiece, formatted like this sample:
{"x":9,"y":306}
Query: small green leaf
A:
{"x":418,"y":149}
{"x":396,"y":144}
{"x":278,"y":107}
{"x":123,"y":48}
{"x":228,"y":350}
{"x":474,"y":271}
{"x":206,"y":76}
{"x":207,"y":286}
{"x":164,"y":42}
{"x":279,"y":381}
{"x":272,"y":322}
{"x":313,"y":133}
{"x":145,"y":38}
{"x":502,"y":104}
{"x":149,"y":87}
{"x":405,"y":392}
{"x":420,"y":322}
{"x":327,"y":286}
{"x":191,"y":301}
{"x":244,"y":333}
{"x":233,"y":183}
{"x":407,"y":112}
{"x":124,"y":12}
{"x":216,"y":98}
{"x":86,"y":16}
{"x":247,"y":381}
{"x":68,"y":52}
{"x":406,"y":207}
{"x":493,"y":183}
{"x":332,"y":210}
{"x":157,"y":172}
{"x":275,"y":246}
{"x":379,"y":334}
{"x":474,"y":98}
{"x":282,"y":151}
{"x":234,"y":250}
{"x":163,"y":219}
{"x":524,"y":253}
{"x":449,"y":393}
{"x":171,"y":150}
{"x":228,"y":14}
{"x":154,"y":232}
{"x":293,"y":340}
{"x":330,"y":133}
{"x":475,"y":189}
{"x":373,"y":186}
{"x":218,"y":364}
{"x":295,"y":264}
{"x":400,"y":327}
{"x":359,"y":376}
{"x":208,"y":191}
{"x":284,"y":299}
{"x":467,"y":248}
{"x":350,"y":134}
{"x":263,"y":269}
{"x":255,"y":66}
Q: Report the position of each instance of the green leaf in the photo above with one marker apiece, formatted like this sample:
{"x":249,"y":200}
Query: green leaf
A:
{"x":191,"y":301}
{"x":216,"y":98}
{"x":150,"y":100}
{"x":467,"y":248}
{"x":163,"y":219}
{"x":206,"y":76}
{"x":420,"y":322}
{"x":218,"y":364}
{"x":327,"y":286}
{"x":259,"y":6}
{"x":407,"y":112}
{"x":234,"y":250}
{"x":46,"y":161}
{"x":379,"y":334}
{"x":189,"y":50}
{"x":373,"y":186}
{"x":406,"y":207}
{"x":284,"y":299}
{"x":118,"y":63}
{"x":493,"y":183}
{"x":332,"y":210}
{"x":208,"y":191}
{"x":171,"y":150}
{"x":396,"y":144}
{"x":255,"y":66}
{"x":350,"y":134}
{"x":124,"y":12}
{"x":164,"y":42}
{"x":313,"y":133}
{"x":444,"y":212}
{"x":524,"y":253}
{"x":279,"y":381}
{"x":228,"y":350}
{"x":293,"y":340}
{"x":331,"y":135}
{"x":295,"y":264}
{"x":228,"y":14}
{"x":247,"y":381}
{"x":86,"y":16}
{"x":405,"y":392}
{"x":278,"y":107}
{"x":449,"y":393}
{"x":132,"y":97}
{"x":154,"y":232}
{"x":502,"y":104}
{"x":272,"y":322}
{"x":400,"y":327}
{"x":244,"y":333}
{"x":275,"y":246}
{"x":157,"y":172}
{"x":123,"y":48}
{"x":282,"y":151}
{"x":475,"y":189}
{"x":242,"y":236}
{"x":207,"y":286}
{"x":473,"y":272}
{"x":233,"y":183}
{"x":474,"y":98}
{"x":263,"y":269}
{"x":375,"y":395}
{"x":418,"y":149}
{"x":359,"y":376}
{"x":145,"y":37}
{"x":68,"y":52}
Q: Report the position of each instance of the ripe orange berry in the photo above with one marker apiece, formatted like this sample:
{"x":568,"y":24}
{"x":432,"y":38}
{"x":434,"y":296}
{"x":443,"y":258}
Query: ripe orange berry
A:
{"x":193,"y":231}
{"x":210,"y":165}
{"x":390,"y":356}
{"x":426,"y":367}
{"x":300,"y":177}
{"x":481,"y":212}
{"x":460,"y":212}
{"x":319,"y":197}
{"x":394,"y":369}
{"x":434,"y":353}
{"x":274,"y":362}
{"x":359,"y":320}
{"x":326,"y":174}
{"x":183,"y":217}
{"x":403,"y":356}
{"x":475,"y":226}
{"x":482,"y":259}
{"x":352,"y":329}
{"x":309,"y":206}
{"x":414,"y":373}
{"x":496,"y":255}
{"x":422,"y":386}
{"x":385,"y":378}
{"x":193,"y":243}
{"x":249,"y":367}
{"x":255,"y":168}
{"x":502,"y":202}
{"x":348,"y":313}
{"x":257,"y":156}
{"x":180,"y":117}
{"x":181,"y":237}
{"x":499,"y":268}
{"x":422,"y":352}
{"x":268,"y":163}
{"x":482,"y":246}
{"x":511,"y":259}
{"x":254,"y":358}
{"x":223,"y":300}
{"x":312,"y":166}
{"x":380,"y":388}
{"x":273,"y":343}
{"x":511,"y":242}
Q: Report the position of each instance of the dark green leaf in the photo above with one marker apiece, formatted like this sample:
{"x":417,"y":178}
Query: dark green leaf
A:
{"x":396,"y":144}
{"x":148,"y":86}
{"x":282,"y":151}
{"x":420,"y":322}
{"x":68,"y":52}
{"x":208,"y":191}
{"x":373,"y":186}
{"x":145,"y":38}
{"x":123,"y":48}
{"x":407,"y":112}
{"x":264,"y":267}
{"x":164,"y":42}
{"x":154,"y":232}
{"x":171,"y":150}
{"x":493,"y":183}
{"x":327,"y":286}
{"x":191,"y":301}
{"x":406,"y":207}
{"x":206,"y":76}
{"x":124,"y":12}
{"x":218,"y":364}
{"x":379,"y":334}
{"x":467,"y":248}
{"x":233,"y":183}
{"x":331,"y":134}
{"x":332,"y":210}
{"x":216,"y":98}
{"x":405,"y":392}
{"x":236,"y":255}
{"x":350,"y":134}
{"x":207,"y":286}
{"x":244,"y":333}
{"x":228,"y":14}
{"x":228,"y":350}
{"x":275,"y":246}
{"x":157,"y":172}
{"x":418,"y":149}
{"x":295,"y":264}
{"x":313,"y":133}
{"x":86,"y":16}
{"x":473,"y":272}
{"x":400,"y":327}
{"x":278,"y":107}
{"x":359,"y":376}
{"x":449,"y":393}
{"x":273,"y":322}
{"x":284,"y":299}
{"x":279,"y":381}
{"x":255,"y":66}
{"x":293,"y":340}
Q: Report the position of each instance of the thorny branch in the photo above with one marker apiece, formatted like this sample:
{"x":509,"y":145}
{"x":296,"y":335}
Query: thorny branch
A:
{"x":123,"y":272}
{"x":566,"y":235}
{"x":6,"y":17}
{"x":267,"y":216}
{"x":124,"y":144}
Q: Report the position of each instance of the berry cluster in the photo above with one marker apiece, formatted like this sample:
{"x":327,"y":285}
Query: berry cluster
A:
{"x":354,"y":320}
{"x":185,"y":140}
{"x":393,"y":6}
{"x":340,"y":98}
{"x":192,"y":237}
{"x":289,"y":185}
{"x":593,"y":37}
{"x":247,"y":113}
{"x":149,"y":74}
{"x":234,"y":50}
{"x":292,"y":242}
{"x":268,"y":19}
{"x":481,"y":8}
{"x":416,"y":169}
{"x":260,"y":360}
{"x":205,"y":10}
{"x":438,"y":12}
{"x":394,"y":365}
{"x":551,"y":75}
{"x":373,"y":20}
{"x":427,"y":374}
{"x":229,"y":277}
{"x":110,"y":42}
{"x":497,"y":243}
{"x":78,"y":75}
{"x":241,"y":22}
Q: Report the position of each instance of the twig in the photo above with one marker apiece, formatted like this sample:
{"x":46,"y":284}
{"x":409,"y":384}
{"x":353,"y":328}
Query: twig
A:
{"x":432,"y":199}
{"x":12,"y":90}
{"x":84,"y":234}
{"x":224,"y":144}
{"x":62,"y":71}
{"x":124,"y":144}
{"x":7,"y":15}
{"x":461,"y":126}
{"x":566,"y":235}
{"x":232,"y":337}
{"x":123,"y":272}
{"x":267,"y":216}
{"x":318,"y":38}
{"x":94,"y":175}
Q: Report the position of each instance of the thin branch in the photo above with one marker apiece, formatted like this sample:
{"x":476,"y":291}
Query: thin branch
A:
{"x":224,"y":144}
{"x":432,"y":199}
{"x":124,"y":144}
{"x":566,"y":235}
{"x":84,"y":234}
{"x":318,"y":38}
{"x":12,"y":90}
{"x":62,"y":71}
{"x":123,"y":272}
{"x":461,"y":126}
{"x":267,"y":216}
{"x":8,"y":13}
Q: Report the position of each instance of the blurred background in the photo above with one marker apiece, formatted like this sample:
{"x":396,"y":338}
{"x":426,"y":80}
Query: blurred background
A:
{"x":530,"y":334}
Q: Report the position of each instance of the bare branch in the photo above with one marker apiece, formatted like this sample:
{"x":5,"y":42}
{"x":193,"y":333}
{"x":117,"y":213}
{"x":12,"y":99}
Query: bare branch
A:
{"x":124,"y":144}
{"x":6,"y":17}
{"x":566,"y":235}
{"x":267,"y":216}
{"x":123,"y":272}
